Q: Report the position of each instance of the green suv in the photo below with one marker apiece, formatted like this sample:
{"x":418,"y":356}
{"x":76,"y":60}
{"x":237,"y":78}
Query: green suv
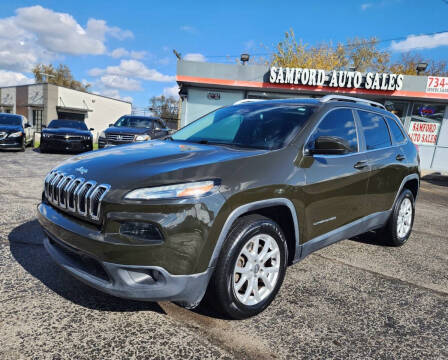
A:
{"x":224,"y":205}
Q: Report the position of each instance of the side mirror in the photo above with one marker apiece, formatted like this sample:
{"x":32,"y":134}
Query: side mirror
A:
{"x":43,"y":126}
{"x":27,"y":125}
{"x":110,"y":125}
{"x":330,"y":145}
{"x":91,"y":129}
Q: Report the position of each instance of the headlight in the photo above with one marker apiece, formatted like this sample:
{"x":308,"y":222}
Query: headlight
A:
{"x":46,"y":135}
{"x":193,"y":189}
{"x":103,"y":134}
{"x":16,"y":134}
{"x":142,"y":138}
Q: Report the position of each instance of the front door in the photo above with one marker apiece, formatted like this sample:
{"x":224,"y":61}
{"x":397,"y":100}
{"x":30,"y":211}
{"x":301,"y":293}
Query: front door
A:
{"x":336,"y":185}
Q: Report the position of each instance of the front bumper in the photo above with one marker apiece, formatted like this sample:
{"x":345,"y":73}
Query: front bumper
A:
{"x":11,"y":143}
{"x":66,"y":145}
{"x":142,"y":272}
{"x":149,"y":283}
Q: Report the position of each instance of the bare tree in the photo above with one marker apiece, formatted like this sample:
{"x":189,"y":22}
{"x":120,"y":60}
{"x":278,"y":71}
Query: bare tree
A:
{"x":61,"y":76}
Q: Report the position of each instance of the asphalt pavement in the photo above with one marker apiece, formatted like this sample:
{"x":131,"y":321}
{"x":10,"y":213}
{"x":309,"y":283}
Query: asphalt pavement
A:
{"x":353,"y":300}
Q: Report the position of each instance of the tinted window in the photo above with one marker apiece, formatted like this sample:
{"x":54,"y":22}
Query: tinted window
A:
{"x":10,"y":120}
{"x":71,"y":124}
{"x":395,"y":130}
{"x":338,"y":123}
{"x":375,"y":130}
{"x":134,"y":122}
{"x":264,"y":125}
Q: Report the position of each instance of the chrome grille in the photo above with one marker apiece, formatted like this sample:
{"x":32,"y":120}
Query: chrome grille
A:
{"x":76,"y":195}
{"x":120,"y":137}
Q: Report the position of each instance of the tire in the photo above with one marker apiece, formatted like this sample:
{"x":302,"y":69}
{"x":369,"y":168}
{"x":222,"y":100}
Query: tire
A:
{"x":23,"y":148}
{"x":232,"y":292}
{"x":399,"y":226}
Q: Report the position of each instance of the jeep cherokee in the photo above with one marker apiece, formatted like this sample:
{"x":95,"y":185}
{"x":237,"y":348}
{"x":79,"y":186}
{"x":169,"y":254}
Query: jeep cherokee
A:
{"x":224,"y":205}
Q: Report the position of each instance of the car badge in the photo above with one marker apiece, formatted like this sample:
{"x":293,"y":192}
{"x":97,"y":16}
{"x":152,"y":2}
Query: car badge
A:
{"x":82,"y":170}
{"x":119,"y":137}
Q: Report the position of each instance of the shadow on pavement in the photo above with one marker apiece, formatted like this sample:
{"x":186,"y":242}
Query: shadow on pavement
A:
{"x":26,"y":245}
{"x":371,"y":238}
{"x":436,"y":179}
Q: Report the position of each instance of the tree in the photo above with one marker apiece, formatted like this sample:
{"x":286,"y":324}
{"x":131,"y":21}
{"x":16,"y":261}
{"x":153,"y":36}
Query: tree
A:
{"x":166,"y":108}
{"x":61,"y":76}
{"x":361,"y":54}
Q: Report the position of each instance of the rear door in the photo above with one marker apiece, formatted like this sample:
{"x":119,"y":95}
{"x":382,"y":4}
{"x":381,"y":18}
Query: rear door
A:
{"x":336,"y":185}
{"x":385,"y":160}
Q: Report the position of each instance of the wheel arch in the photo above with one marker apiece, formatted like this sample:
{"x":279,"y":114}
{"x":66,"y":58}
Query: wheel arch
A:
{"x":411,"y":182}
{"x":274,"y":209}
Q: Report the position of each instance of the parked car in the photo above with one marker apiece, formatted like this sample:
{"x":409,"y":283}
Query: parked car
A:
{"x":131,"y":128}
{"x":228,"y":202}
{"x":66,"y":135}
{"x":15,"y":132}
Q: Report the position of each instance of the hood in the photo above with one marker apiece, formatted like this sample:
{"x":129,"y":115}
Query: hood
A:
{"x":10,"y":128}
{"x":150,"y":162}
{"x":66,"y":131}
{"x":126,"y":130}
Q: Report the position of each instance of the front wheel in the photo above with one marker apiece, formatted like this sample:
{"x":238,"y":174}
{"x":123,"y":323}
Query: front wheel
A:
{"x":251,"y":267}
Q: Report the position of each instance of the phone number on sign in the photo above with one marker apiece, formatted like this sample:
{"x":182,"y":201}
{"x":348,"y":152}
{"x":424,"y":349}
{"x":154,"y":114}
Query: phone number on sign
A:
{"x":437,"y":84}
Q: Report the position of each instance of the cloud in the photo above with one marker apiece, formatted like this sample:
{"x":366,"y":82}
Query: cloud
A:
{"x":120,"y":82}
{"x":365,"y":6}
{"x":413,"y":42}
{"x":37,"y":34}
{"x":11,"y":78}
{"x":195,"y":57}
{"x":113,"y":93}
{"x":172,"y":91}
{"x":132,"y":69}
{"x":188,"y":29}
{"x":121,"y":52}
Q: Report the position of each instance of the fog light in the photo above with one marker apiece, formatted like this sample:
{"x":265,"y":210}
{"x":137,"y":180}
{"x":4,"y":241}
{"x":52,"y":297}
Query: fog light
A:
{"x":144,"y":231}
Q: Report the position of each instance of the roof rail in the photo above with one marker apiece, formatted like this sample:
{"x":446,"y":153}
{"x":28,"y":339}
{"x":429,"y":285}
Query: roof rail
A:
{"x":328,"y":98}
{"x":244,"y":101}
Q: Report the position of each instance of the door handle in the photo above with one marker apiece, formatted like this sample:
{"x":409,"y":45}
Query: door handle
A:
{"x":400,"y":157}
{"x":360,"y":165}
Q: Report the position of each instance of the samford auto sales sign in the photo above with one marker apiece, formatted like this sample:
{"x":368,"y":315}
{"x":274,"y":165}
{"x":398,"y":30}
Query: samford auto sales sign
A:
{"x":336,"y":78}
{"x":423,"y":133}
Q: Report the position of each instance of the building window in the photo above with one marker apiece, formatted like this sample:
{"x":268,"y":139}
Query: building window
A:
{"x":426,"y":120}
{"x":398,"y":108}
{"x":37,"y":120}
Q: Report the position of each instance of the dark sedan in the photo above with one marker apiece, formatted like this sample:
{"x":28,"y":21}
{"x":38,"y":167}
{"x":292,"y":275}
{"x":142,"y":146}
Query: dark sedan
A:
{"x":66,"y":135}
{"x":130,"y":128}
{"x":15,"y":132}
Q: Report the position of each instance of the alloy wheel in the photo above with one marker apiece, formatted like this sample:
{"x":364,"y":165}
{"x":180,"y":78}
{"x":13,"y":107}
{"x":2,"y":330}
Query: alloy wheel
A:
{"x":256,"y":270}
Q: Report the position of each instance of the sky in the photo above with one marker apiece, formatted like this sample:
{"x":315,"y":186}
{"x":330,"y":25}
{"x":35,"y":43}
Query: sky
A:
{"x":124,"y":49}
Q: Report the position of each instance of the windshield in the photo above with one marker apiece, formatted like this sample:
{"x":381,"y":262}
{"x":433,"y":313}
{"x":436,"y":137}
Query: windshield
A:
{"x":134,"y":122}
{"x":255,"y":125}
{"x":10,"y":120}
{"x":73,"y":124}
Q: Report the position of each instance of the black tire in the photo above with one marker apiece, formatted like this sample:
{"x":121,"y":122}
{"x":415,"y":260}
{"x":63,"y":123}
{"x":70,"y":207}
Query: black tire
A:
{"x":390,"y":233}
{"x":23,"y":144}
{"x":221,"y":293}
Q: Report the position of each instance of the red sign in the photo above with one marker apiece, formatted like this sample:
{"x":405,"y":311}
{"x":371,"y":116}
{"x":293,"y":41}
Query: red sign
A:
{"x":424,"y":133}
{"x":437,"y":84}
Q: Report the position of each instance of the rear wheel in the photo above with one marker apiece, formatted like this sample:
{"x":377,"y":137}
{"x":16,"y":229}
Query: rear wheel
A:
{"x":399,"y":227}
{"x":251,"y":268}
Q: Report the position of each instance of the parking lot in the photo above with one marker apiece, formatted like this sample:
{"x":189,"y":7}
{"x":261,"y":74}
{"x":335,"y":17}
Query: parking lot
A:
{"x":352,"y":300}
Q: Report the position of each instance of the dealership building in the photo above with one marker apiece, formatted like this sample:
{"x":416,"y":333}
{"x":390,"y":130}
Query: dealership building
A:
{"x":41,"y":103}
{"x":421,"y":102}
